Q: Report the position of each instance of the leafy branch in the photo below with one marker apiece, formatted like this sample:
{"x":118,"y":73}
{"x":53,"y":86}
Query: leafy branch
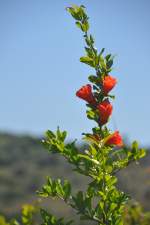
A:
{"x":105,"y":154}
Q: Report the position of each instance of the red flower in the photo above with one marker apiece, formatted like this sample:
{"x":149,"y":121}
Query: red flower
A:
{"x":86,"y":93}
{"x":108,"y":83}
{"x":115,"y":139}
{"x":105,"y":110}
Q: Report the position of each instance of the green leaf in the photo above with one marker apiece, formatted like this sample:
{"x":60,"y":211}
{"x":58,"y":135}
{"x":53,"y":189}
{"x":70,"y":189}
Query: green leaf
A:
{"x":135,"y":145}
{"x":94,"y":79}
{"x":142,"y":153}
{"x":95,"y":87}
{"x":101,"y":204}
{"x":75,"y":12}
{"x":27,"y":214}
{"x":90,"y":138}
{"x":101,"y":52}
{"x":107,"y":57}
{"x":91,"y":39}
{"x":61,"y":135}
{"x":59,"y":188}
{"x":102,"y":62}
{"x":87,"y":60}
{"x":50,"y":134}
{"x":89,"y":52}
{"x":67,"y":189}
{"x":88,"y":41}
{"x":85,"y":26}
{"x":111,"y":96}
{"x":109,"y":63}
{"x":89,"y":159}
{"x":14,"y":222}
{"x":88,"y":203}
{"x":91,"y":114}
{"x":113,"y":206}
{"x":78,"y":13}
{"x":80,"y":201}
{"x":98,"y":211}
{"x":49,"y":219}
{"x":79,"y":25}
{"x":93,"y":150}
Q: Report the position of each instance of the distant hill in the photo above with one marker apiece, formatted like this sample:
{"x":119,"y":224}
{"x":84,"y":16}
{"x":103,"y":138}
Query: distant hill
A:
{"x":24,"y":165}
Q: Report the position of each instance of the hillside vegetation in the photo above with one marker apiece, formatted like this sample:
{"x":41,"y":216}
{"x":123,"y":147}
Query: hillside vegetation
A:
{"x":24,"y":165}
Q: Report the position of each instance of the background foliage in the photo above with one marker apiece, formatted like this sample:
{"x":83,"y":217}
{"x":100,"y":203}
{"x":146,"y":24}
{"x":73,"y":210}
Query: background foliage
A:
{"x":24,"y":164}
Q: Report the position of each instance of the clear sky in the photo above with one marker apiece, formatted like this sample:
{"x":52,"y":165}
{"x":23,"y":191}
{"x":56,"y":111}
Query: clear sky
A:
{"x":40,"y":70}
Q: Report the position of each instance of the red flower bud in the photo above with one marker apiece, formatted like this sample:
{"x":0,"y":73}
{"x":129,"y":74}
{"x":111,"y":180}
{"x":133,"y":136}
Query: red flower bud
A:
{"x":108,"y":83}
{"x":105,"y":110}
{"x":86,"y":94}
{"x":115,"y":139}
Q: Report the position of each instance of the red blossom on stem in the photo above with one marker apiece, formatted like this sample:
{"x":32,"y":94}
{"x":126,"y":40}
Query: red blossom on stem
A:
{"x":115,"y":139}
{"x":105,"y":110}
{"x":86,"y":94}
{"x":108,"y":83}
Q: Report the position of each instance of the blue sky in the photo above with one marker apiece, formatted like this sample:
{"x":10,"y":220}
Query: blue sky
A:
{"x":40,"y":70}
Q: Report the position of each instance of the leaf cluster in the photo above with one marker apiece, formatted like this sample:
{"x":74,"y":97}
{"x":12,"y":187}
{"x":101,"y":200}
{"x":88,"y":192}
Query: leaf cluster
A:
{"x":100,"y":163}
{"x":49,"y":219}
